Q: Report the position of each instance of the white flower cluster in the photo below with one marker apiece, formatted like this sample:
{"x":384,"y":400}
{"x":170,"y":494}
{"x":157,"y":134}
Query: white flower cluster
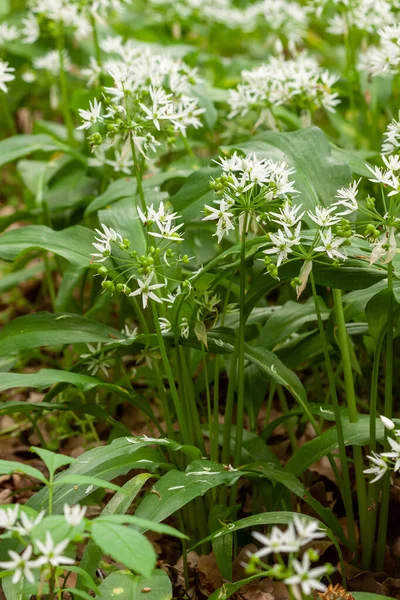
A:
{"x":283,"y":17}
{"x":297,"y":82}
{"x":299,"y":575}
{"x":47,"y":553}
{"x":27,"y":32}
{"x":383,"y":59}
{"x":74,"y":15}
{"x":150,"y":93}
{"x":6,"y":75}
{"x":381,"y":463}
{"x":328,"y":241}
{"x":391,"y":142}
{"x":364,"y":15}
{"x":247,"y":187}
{"x":146,"y":268}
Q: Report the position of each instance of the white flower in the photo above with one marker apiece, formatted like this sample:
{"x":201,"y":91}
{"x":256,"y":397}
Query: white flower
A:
{"x":8,"y":33}
{"x":74,"y":514}
{"x":380,"y":176}
{"x":165,"y":325}
{"x":308,"y":579}
{"x":347,"y":199}
{"x":331,"y":245}
{"x":323,"y":216}
{"x":282,"y":243}
{"x":379,"y":467}
{"x":6,"y":75}
{"x":8,"y":517}
{"x":51,"y":553}
{"x":91,"y":116}
{"x":387,"y":423}
{"x":224,"y":218}
{"x":278,"y":541}
{"x":26,"y":525}
{"x":122,"y":162}
{"x":146,"y":290}
{"x":307,"y":530}
{"x":287,"y":215}
{"x":96,"y":363}
{"x":108,"y":235}
{"x":21,"y":565}
{"x":394,"y":454}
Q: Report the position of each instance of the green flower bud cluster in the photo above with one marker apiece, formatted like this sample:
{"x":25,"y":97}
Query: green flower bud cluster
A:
{"x":371,"y":232}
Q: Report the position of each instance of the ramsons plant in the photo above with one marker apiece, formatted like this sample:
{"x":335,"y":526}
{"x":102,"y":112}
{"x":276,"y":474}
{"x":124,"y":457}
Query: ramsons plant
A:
{"x":204,"y":288}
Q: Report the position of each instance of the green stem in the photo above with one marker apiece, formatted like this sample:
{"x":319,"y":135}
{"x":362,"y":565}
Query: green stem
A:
{"x":138,"y":174}
{"x":345,"y":483}
{"x":64,"y":89}
{"x":285,"y":408}
{"x":174,"y":393}
{"x":368,"y":544}
{"x":208,"y":396}
{"x":388,"y":411}
{"x":240,"y":342}
{"x":7,"y":114}
{"x":352,"y":410}
{"x":191,"y":399}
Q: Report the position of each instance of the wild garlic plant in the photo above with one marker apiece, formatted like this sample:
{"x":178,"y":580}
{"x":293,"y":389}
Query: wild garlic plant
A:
{"x":293,"y":563}
{"x":298,"y":82}
{"x":150,"y":100}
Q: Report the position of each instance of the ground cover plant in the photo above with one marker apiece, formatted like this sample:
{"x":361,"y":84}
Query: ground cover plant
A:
{"x":200,"y":293}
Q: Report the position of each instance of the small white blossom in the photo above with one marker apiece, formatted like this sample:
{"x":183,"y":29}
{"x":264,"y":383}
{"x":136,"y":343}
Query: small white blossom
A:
{"x":306,"y":578}
{"x":146,"y":290}
{"x":379,"y":467}
{"x":52,"y":553}
{"x":21,"y":565}
{"x":74,"y":514}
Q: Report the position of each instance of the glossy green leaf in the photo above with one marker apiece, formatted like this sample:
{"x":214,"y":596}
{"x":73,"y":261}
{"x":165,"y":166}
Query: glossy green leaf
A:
{"x":106,"y":463}
{"x":125,"y":545}
{"x":355,"y":434}
{"x":46,"y":329}
{"x":126,"y":586}
{"x":52,"y":460}
{"x":74,"y":244}
{"x":7,"y":467}
{"x":176,"y":488}
{"x":46,"y":378}
{"x":190,"y":199}
{"x":21,"y":145}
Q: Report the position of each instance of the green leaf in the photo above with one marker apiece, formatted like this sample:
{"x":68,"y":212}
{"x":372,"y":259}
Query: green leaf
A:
{"x":125,"y":545}
{"x":123,"y":218}
{"x":7,"y":467}
{"x":368,"y":596}
{"x":46,"y":329}
{"x":106,"y":463}
{"x":176,"y":488}
{"x":92,"y":482}
{"x":355,"y":434}
{"x":22,"y":145}
{"x":376,"y":312}
{"x":74,"y":244}
{"x":228,"y":589}
{"x":143,"y":524}
{"x":46,"y":378}
{"x":118,"y":504}
{"x":190,"y":199}
{"x":52,"y":460}
{"x":13,"y":279}
{"x":318,"y":174}
{"x":126,"y":586}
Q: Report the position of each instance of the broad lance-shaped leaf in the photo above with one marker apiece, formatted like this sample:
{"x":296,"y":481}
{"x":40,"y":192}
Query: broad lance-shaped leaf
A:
{"x":46,"y":329}
{"x":48,"y":377}
{"x":21,"y":145}
{"x":318,"y":175}
{"x":74,"y":244}
{"x":176,"y":488}
{"x":355,"y":434}
{"x":108,"y":462}
{"x":130,"y":587}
